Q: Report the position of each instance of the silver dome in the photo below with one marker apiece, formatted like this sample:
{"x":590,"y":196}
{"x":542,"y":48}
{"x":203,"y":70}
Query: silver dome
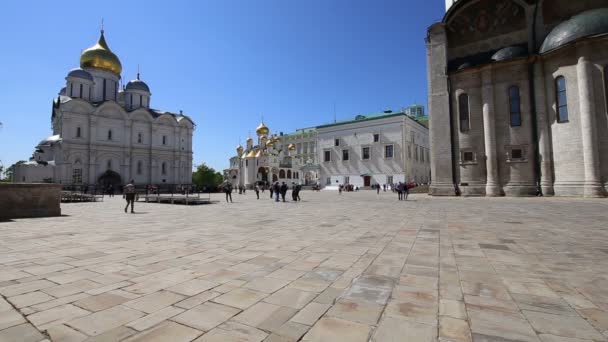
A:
{"x":80,"y":73}
{"x":138,"y":85}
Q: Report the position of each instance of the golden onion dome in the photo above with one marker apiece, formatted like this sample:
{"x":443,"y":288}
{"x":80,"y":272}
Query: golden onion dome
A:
{"x":100,"y":56}
{"x":264,"y":137}
{"x":270,"y":143}
{"x":291,"y":147}
{"x":262,"y":129}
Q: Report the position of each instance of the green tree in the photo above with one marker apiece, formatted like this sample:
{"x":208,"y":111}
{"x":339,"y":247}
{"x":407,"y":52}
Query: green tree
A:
{"x":206,"y":176}
{"x":8,"y":172}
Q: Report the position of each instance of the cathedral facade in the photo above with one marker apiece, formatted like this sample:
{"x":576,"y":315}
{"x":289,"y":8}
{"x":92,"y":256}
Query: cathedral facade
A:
{"x":266,"y":161}
{"x":106,"y":135}
{"x":518,"y":96}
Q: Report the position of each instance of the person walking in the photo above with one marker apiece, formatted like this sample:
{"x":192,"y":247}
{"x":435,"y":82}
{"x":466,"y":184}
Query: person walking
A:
{"x":271,"y":189}
{"x":293,"y":191}
{"x":298,"y":188}
{"x":283,"y":191}
{"x":377,"y":189}
{"x":406,"y":191}
{"x":257,"y":191}
{"x":339,"y":189}
{"x":228,"y":191}
{"x":130,"y":195}
{"x":276,"y":189}
{"x":400,"y":190}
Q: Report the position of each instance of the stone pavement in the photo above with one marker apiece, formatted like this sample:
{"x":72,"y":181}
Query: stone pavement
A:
{"x":356,"y":267}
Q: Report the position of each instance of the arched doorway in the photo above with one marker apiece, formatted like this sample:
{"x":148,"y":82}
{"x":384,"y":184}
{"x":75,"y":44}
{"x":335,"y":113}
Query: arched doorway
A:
{"x":263,"y":174}
{"x":275,"y":178}
{"x":282,"y":174}
{"x":110,"y":178}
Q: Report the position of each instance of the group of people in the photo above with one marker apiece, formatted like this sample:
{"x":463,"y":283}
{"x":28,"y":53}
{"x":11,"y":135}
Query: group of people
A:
{"x":277,"y":191}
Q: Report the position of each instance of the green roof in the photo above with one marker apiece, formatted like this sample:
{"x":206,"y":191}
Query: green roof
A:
{"x":363,"y":118}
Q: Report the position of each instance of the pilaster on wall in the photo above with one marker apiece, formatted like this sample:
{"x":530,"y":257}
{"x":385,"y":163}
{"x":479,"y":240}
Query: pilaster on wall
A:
{"x":584,"y":70}
{"x":544,"y":137}
{"x":442,"y":181}
{"x":493,"y":187}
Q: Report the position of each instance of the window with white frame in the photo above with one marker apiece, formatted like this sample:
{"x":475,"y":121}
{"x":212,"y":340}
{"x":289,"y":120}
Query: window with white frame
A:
{"x":164,"y":140}
{"x":337,"y":142}
{"x":110,"y":134}
{"x":164,"y":168}
{"x":78,"y":132}
{"x":346,"y":180}
{"x":388,"y":151}
{"x":139,"y":167}
{"x":365,"y":153}
{"x":326,"y":156}
{"x":376,"y":137}
{"x":140,"y":138}
{"x":345,"y":155}
{"x":389,"y":179}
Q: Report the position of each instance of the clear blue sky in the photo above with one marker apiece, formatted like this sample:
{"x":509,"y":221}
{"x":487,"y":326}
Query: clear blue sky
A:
{"x":225,"y":62}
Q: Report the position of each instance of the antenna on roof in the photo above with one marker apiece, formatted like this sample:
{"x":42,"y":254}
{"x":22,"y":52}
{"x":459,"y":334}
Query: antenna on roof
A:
{"x":335,"y":112}
{"x":102,"y":25}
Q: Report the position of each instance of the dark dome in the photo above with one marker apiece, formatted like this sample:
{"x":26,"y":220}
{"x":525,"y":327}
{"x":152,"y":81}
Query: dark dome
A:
{"x":509,"y":53}
{"x":585,"y":24}
{"x":79,"y":73}
{"x":138,"y":85}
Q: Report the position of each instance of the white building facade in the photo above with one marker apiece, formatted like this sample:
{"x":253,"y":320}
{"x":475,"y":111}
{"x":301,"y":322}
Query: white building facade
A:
{"x":104,"y":135}
{"x":380,"y":149}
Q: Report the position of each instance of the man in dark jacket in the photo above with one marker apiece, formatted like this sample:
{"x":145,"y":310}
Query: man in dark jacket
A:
{"x":228,"y":191}
{"x":276,"y":189}
{"x":283,"y":191}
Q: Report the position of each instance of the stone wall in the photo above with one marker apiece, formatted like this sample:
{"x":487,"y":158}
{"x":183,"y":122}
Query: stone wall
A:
{"x":29,"y":200}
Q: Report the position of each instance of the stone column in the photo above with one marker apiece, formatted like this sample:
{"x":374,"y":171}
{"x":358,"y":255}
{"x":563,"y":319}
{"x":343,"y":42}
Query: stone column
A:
{"x":493,"y":187}
{"x":584,"y":71}
{"x":542,"y":123}
{"x":442,"y":183}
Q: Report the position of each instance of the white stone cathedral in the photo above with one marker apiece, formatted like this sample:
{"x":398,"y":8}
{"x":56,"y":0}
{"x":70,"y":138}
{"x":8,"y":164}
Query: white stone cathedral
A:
{"x":104,"y":135}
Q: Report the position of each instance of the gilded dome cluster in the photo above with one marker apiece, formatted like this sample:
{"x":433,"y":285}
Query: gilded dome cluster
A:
{"x":101,"y":57}
{"x":262,"y":129}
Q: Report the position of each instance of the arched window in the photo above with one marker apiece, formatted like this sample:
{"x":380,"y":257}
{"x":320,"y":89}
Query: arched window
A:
{"x":80,"y":94}
{"x":139,"y":167}
{"x":282,"y":174}
{"x":561,"y":99}
{"x":109,"y":164}
{"x":463,"y":112}
{"x":104,"y":89}
{"x":78,"y":132}
{"x":71,"y":89}
{"x":289,"y":174}
{"x":140,"y":138}
{"x":109,"y":134}
{"x":164,"y":140}
{"x":131,"y":100}
{"x":514,"y":106}
{"x":164,"y":168}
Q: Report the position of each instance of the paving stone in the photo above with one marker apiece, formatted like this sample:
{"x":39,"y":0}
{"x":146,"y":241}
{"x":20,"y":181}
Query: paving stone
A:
{"x":454,"y":330}
{"x":206,"y":316}
{"x":155,"y":301}
{"x":362,"y":312}
{"x":310,"y":313}
{"x":553,"y":338}
{"x":192,"y":287}
{"x":232,"y":331}
{"x":30,"y":298}
{"x":566,"y":326}
{"x":199,"y":299}
{"x":240,"y":298}
{"x":10,"y":318}
{"x":397,"y":330}
{"x":62,"y":333}
{"x":335,"y":329}
{"x":155,"y":318}
{"x":22,"y":333}
{"x":71,"y":288}
{"x":412,"y":311}
{"x":266,"y":284}
{"x":292,"y":298}
{"x":55,"y":316}
{"x":105,"y":320}
{"x":58,"y":302}
{"x":265,"y":316}
{"x":100,"y":302}
{"x":116,"y":334}
{"x":17,"y":289}
{"x":452,"y":308}
{"x":168,"y":331}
